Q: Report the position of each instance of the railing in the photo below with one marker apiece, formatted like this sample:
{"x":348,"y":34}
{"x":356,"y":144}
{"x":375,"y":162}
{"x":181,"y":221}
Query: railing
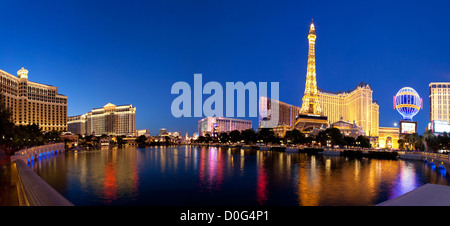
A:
{"x":442,"y":157}
{"x":34,"y":191}
{"x":43,"y":149}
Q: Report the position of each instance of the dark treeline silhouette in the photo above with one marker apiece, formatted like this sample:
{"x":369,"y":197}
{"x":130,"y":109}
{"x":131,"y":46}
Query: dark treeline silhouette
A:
{"x":434,"y":142}
{"x":330,"y":136}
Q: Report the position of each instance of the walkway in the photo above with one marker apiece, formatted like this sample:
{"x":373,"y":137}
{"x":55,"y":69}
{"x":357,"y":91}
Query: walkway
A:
{"x":426,"y":195}
{"x":8,"y":189}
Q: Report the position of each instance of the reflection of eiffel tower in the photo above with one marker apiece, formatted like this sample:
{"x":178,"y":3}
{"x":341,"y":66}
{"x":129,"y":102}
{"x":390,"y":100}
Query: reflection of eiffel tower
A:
{"x":311,"y":116}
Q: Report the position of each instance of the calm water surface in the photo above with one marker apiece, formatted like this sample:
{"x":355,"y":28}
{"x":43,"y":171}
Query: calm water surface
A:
{"x":200,"y":176}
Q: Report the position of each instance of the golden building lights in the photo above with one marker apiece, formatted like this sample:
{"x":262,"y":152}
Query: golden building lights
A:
{"x":311,"y":118}
{"x":310,"y":98}
{"x":440,"y":101}
{"x":32,"y":102}
{"x":388,"y":137}
{"x":110,"y":120}
{"x":355,"y":105}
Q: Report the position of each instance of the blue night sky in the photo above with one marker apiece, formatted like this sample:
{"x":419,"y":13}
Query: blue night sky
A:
{"x":131,"y":52}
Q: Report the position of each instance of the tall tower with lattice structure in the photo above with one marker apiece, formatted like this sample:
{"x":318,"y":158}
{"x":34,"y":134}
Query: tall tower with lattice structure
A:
{"x":310,"y":118}
{"x":310,"y":99}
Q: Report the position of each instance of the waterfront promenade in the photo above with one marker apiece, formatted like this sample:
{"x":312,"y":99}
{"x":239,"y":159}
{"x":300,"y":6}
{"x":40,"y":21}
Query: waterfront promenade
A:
{"x":23,"y":187}
{"x":425,"y":195}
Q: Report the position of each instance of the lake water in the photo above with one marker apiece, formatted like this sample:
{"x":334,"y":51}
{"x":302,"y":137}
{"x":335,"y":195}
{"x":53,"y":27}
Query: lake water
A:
{"x":214,"y":176}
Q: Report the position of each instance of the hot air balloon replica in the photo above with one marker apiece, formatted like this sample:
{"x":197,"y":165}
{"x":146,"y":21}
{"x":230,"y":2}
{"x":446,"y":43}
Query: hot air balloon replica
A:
{"x":408,"y":103}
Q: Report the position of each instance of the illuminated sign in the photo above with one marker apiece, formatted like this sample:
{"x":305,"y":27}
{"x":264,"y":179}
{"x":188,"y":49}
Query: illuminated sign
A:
{"x":441,"y":126}
{"x":408,"y":127}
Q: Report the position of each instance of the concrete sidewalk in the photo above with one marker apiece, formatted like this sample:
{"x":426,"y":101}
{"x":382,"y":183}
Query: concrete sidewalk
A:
{"x":425,"y":195}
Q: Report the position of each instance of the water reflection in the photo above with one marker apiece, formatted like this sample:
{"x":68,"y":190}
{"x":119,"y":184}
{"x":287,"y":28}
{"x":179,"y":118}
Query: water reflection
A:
{"x":211,"y":169}
{"x":261,"y":180}
{"x":442,"y":171}
{"x":188,"y":175}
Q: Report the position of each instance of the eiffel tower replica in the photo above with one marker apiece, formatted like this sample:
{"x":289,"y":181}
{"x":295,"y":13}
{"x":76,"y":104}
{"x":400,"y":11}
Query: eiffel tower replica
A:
{"x":311,"y":117}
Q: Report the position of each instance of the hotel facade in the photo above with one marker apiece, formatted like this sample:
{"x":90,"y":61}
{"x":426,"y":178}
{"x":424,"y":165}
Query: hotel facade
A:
{"x":220,"y":124}
{"x":440,"y":101}
{"x":110,"y":120}
{"x":32,"y":102}
{"x":355,"y":106}
{"x":439,"y":107}
{"x":287,"y":113}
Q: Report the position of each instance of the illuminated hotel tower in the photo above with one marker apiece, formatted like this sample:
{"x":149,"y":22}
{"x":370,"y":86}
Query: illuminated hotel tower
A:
{"x":310,"y":99}
{"x":32,"y":102}
{"x":110,"y":119}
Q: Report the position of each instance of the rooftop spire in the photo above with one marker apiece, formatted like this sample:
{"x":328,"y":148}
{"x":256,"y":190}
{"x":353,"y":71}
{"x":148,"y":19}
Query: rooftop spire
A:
{"x":311,"y":27}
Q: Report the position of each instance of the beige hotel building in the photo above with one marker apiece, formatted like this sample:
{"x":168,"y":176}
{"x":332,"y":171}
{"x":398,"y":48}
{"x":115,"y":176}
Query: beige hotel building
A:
{"x":439,"y":107}
{"x":440,"y":101}
{"x":355,"y":106}
{"x":32,"y":102}
{"x":110,"y":120}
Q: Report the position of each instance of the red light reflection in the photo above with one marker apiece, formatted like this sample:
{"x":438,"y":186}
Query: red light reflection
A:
{"x":110,"y":183}
{"x":261,"y":184}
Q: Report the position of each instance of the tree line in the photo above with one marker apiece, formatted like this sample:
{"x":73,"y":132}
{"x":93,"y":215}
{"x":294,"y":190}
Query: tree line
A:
{"x":436,"y":142}
{"x":330,"y":136}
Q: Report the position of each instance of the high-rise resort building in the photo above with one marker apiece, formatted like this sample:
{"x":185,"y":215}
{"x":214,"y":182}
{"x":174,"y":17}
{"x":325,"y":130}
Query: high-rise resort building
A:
{"x":440,"y":101}
{"x":32,"y":102}
{"x":110,"y":120}
{"x":218,"y":125}
{"x":356,"y":106}
{"x":439,"y":107}
{"x":287,"y":113}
